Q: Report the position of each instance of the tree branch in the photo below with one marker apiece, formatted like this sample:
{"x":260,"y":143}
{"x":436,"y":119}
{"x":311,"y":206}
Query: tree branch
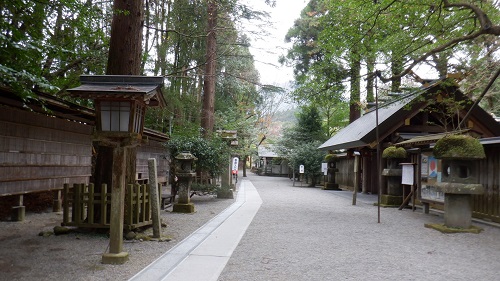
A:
{"x":486,"y":28}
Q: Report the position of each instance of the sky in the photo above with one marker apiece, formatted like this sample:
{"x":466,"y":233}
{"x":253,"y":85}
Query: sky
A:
{"x":267,"y":50}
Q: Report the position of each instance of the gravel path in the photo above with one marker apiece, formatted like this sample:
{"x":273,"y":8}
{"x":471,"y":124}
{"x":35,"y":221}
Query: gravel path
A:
{"x":77,"y":256}
{"x":303,"y":233}
{"x":299,"y":233}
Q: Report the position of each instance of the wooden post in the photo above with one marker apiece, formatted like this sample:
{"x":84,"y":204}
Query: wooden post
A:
{"x":116,"y":254}
{"x":18,"y":212}
{"x":77,"y":206}
{"x":57,"y":203}
{"x":66,"y":205}
{"x":356,"y":179}
{"x":90,"y":205}
{"x":104,"y":203}
{"x":154,"y":198}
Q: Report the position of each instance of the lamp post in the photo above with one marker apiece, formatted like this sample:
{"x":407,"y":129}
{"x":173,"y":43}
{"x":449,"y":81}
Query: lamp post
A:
{"x":120,"y":103}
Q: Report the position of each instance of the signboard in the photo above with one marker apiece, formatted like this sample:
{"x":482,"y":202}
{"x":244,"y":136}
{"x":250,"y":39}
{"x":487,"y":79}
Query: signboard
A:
{"x":407,"y":174}
{"x":431,"y":193}
{"x":301,"y":169}
{"x":235,"y":164}
{"x":324,"y":168}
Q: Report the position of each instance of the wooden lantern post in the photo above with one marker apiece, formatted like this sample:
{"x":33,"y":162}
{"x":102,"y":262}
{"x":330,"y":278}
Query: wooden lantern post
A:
{"x":120,"y":104}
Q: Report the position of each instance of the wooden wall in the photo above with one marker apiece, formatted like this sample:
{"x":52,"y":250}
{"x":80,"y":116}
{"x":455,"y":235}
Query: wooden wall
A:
{"x":345,"y":175}
{"x":154,"y":149}
{"x":487,"y":206}
{"x":40,"y":152}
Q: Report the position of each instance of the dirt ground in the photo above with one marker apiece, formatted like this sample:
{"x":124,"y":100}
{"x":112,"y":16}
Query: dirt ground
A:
{"x":25,"y":255}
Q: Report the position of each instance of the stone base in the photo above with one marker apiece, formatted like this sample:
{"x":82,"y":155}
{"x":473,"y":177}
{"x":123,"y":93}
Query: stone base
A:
{"x":458,"y":210}
{"x":225,"y":194}
{"x":18,"y":213}
{"x":445,"y":229}
{"x":390,"y":200}
{"x":331,"y":186}
{"x":183,"y":208}
{"x":119,"y":258}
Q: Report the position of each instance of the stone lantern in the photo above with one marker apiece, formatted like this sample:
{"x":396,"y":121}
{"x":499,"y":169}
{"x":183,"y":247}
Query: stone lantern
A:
{"x":184,"y":173}
{"x":120,"y":104}
{"x":459,"y":179}
{"x":393,"y":196}
{"x":330,"y":184}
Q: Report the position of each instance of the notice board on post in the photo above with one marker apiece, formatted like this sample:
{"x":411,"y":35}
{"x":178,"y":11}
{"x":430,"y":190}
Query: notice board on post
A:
{"x":408,"y":176}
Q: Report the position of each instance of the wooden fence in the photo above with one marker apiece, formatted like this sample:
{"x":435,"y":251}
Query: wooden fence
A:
{"x":487,"y":206}
{"x":86,"y":208}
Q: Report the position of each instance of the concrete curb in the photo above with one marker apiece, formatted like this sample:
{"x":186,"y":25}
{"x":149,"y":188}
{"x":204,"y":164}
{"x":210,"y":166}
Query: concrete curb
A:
{"x":209,"y":248}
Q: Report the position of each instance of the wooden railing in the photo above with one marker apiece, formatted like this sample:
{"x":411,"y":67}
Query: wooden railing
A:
{"x":83,"y":207}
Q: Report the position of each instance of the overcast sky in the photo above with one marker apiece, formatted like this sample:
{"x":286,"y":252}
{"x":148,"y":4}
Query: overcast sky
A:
{"x":267,"y":50}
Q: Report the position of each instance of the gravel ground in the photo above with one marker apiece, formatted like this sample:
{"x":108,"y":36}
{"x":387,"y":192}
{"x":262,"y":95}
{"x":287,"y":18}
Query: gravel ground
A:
{"x":24,"y":255}
{"x":299,"y":233}
{"x":303,"y":233}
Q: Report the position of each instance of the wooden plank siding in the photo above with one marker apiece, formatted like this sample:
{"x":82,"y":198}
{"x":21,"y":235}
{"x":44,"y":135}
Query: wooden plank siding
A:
{"x":154,"y":149}
{"x":345,"y":175}
{"x":487,"y":205}
{"x":39,"y":152}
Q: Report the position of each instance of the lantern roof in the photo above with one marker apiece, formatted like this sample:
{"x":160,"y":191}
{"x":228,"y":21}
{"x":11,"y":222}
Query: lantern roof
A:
{"x":118,"y":87}
{"x":185,"y":155}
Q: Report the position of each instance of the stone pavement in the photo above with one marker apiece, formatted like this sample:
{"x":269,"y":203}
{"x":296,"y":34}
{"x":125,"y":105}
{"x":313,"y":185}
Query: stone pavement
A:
{"x":203,"y":255}
{"x":276,"y":231}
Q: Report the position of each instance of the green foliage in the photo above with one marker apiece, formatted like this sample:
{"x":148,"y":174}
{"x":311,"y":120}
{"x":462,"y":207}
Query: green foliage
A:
{"x":309,"y":126}
{"x":46,"y":45}
{"x":459,"y":146}
{"x":391,"y":37}
{"x":394,"y":152}
{"x":310,"y":156}
{"x":307,"y":130}
{"x":300,"y":143}
{"x":319,"y":78}
{"x":211,"y":153}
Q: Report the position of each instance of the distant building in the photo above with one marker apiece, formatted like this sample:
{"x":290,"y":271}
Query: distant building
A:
{"x":270,"y":164}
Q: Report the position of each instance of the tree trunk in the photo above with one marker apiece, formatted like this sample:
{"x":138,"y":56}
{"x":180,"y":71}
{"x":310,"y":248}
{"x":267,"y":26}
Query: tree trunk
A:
{"x":396,"y":68}
{"x":244,"y":160}
{"x":125,"y":46}
{"x":370,"y":65}
{"x":207,"y":118}
{"x":124,"y":59}
{"x":354,"y":109}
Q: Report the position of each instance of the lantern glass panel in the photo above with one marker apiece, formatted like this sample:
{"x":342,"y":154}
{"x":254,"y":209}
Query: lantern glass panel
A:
{"x":139,"y":112}
{"x":115,"y":116}
{"x":105,"y":116}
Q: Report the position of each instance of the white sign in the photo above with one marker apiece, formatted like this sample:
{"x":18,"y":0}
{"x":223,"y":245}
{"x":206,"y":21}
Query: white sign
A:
{"x":235,"y":163}
{"x":301,"y":169}
{"x":324,"y":168}
{"x":407,"y":174}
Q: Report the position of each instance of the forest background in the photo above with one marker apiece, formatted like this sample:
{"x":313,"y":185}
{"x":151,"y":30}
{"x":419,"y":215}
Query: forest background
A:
{"x":342,"y":53}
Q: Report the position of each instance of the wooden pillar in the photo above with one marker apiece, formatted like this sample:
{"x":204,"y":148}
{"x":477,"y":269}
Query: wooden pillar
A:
{"x":116,"y":255}
{"x":18,"y":212}
{"x":57,"y":203}
{"x":366,"y":172}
